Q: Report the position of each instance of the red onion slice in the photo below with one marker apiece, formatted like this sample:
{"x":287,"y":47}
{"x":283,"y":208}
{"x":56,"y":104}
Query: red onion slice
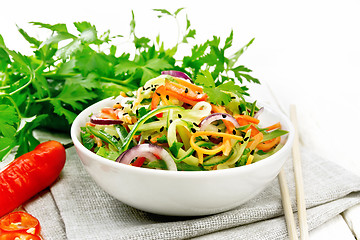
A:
{"x":217,"y":116}
{"x":176,"y":74}
{"x":147,"y":150}
{"x":258,"y":113}
{"x":95,"y":119}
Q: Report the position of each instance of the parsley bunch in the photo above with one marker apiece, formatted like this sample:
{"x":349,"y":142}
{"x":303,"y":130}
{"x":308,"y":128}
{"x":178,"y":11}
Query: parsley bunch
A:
{"x":69,"y":71}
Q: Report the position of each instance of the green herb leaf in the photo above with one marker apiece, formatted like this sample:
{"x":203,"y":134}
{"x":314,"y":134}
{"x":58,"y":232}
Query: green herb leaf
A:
{"x":69,"y":70}
{"x":9,"y":121}
{"x":174,"y":148}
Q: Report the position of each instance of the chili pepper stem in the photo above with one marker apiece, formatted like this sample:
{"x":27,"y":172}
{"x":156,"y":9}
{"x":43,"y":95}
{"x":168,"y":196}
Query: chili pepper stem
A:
{"x":68,"y":145}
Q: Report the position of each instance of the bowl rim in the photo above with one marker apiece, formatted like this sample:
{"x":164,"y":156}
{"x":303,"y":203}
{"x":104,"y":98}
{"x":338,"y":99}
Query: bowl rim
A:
{"x":75,"y":129}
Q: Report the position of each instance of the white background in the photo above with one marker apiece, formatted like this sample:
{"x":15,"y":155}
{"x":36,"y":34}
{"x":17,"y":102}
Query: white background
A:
{"x":305,"y":52}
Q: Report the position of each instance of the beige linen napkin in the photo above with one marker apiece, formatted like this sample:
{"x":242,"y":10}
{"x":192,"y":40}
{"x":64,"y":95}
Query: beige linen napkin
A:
{"x":76,"y":208}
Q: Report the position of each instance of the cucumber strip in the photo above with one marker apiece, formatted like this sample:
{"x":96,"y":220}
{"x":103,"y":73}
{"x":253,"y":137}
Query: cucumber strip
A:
{"x":183,"y":155}
{"x":182,"y":166}
{"x":158,"y":164}
{"x":217,"y":160}
{"x":241,"y":149}
{"x":171,"y":134}
{"x":273,"y":134}
{"x":156,"y":125}
{"x":122,"y":132}
{"x":155,"y":81}
{"x":142,"y":120}
{"x":200,"y":110}
{"x":258,"y":157}
{"x":184,"y":135}
{"x":104,"y":136}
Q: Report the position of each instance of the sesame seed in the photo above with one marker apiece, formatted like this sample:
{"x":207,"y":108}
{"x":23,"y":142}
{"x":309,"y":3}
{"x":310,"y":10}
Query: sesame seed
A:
{"x":162,"y":129}
{"x":223,"y":115}
{"x":234,"y":131}
{"x":252,"y":152}
{"x":167,"y":97}
{"x":219,"y":130}
{"x":158,"y":94}
{"x":170,"y":121}
{"x":196,"y":125}
{"x":193,"y":130}
{"x":245,"y":139}
{"x":179,"y":115}
{"x":186,"y":90}
{"x":149,"y":138}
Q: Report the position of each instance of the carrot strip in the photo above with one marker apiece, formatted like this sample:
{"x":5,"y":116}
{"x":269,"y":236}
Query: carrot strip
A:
{"x":250,"y":159}
{"x":207,"y":133}
{"x":189,"y":85}
{"x":156,"y":99}
{"x":247,"y":118}
{"x":155,"y":138}
{"x":201,"y":158}
{"x":227,"y":148}
{"x":266,"y":146}
{"x":108,"y":112}
{"x":273,"y":127}
{"x":182,"y":98}
{"x":98,"y":141}
{"x":229,"y":128}
{"x":185,"y":92}
{"x":257,"y":139}
{"x":117,"y":105}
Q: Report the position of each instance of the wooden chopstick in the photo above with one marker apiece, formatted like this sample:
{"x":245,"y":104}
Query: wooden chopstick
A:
{"x":300,"y":195}
{"x":285,"y":197}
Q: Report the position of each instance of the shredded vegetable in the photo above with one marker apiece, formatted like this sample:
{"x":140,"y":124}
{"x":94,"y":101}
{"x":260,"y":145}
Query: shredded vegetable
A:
{"x":171,"y":124}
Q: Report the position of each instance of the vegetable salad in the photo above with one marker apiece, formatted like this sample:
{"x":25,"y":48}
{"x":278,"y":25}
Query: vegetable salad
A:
{"x":170,"y":123}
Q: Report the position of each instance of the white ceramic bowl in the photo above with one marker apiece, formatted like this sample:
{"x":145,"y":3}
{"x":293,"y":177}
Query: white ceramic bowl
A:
{"x":183,"y":193}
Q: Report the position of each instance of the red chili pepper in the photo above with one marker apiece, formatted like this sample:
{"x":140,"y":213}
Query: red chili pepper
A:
{"x":18,"y":236}
{"x":29,"y":174}
{"x":20,"y":222}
